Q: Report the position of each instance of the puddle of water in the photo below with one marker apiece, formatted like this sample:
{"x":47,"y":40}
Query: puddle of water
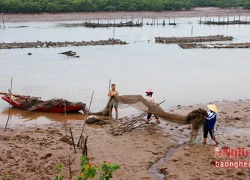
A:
{"x":153,"y":168}
{"x":29,"y":118}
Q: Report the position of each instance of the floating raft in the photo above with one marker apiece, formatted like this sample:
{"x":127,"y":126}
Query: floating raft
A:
{"x":224,"y":22}
{"x":208,"y":46}
{"x":106,"y":25}
{"x":46,"y":44}
{"x":167,"y":40}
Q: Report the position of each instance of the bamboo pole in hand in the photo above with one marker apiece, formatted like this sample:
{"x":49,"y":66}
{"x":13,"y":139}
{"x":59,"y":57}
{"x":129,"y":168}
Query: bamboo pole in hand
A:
{"x":110,"y":112}
{"x":9,"y":107}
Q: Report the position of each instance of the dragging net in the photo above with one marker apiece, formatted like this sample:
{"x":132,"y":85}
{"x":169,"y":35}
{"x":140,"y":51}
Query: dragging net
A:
{"x":195,"y":118}
{"x":140,"y":103}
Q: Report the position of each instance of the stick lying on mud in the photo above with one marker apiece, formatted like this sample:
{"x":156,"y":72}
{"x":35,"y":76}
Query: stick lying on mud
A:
{"x":135,"y":121}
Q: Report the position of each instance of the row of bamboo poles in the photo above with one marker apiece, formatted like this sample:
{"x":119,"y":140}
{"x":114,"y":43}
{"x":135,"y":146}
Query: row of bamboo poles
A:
{"x":131,"y":23}
{"x":223,"y":20}
{"x":40,"y":44}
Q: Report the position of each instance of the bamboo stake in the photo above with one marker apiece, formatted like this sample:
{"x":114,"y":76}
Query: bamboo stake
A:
{"x":86,"y":118}
{"x":65,"y":120}
{"x":72,"y":140}
{"x":82,"y":145}
{"x":82,"y":142}
{"x":85,"y":147}
{"x":3,"y":21}
{"x":70,"y":170}
{"x":9,"y":106}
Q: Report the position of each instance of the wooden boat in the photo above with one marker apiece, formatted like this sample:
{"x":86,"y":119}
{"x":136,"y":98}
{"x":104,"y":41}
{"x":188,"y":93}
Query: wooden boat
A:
{"x":42,"y":106}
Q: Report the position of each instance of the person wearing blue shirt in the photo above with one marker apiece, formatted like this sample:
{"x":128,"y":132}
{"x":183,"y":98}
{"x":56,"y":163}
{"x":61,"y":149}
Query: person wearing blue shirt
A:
{"x":210,"y":121}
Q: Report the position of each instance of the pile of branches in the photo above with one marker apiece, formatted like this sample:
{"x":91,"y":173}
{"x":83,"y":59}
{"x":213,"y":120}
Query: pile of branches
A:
{"x":50,"y":104}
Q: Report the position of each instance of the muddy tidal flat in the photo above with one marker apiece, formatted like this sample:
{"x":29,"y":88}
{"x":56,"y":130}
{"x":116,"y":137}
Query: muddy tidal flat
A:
{"x":153,"y":151}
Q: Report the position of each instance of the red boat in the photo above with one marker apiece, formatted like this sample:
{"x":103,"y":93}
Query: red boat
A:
{"x":16,"y":101}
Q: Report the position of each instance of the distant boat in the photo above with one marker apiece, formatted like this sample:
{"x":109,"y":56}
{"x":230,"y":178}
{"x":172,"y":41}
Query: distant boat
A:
{"x":36,"y":104}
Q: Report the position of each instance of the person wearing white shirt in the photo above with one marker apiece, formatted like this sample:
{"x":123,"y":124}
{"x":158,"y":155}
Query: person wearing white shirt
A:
{"x":150,"y":98}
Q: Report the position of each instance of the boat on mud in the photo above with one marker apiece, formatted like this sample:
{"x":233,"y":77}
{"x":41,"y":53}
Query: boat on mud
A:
{"x":36,"y":104}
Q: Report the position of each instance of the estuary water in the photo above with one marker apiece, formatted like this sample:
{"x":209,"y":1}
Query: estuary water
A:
{"x":179,"y":76}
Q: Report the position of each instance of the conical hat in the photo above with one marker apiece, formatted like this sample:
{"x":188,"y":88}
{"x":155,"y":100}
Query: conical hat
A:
{"x":212,"y":107}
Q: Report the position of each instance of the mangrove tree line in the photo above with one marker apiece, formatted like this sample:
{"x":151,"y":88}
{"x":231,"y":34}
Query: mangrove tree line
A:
{"x":53,"y":6}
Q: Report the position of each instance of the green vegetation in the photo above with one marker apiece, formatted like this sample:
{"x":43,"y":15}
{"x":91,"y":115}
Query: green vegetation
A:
{"x":90,"y":171}
{"x":38,"y":6}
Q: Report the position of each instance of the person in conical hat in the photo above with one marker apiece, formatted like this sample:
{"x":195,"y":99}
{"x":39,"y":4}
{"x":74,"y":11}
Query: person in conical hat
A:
{"x":150,"y":98}
{"x":210,"y":122}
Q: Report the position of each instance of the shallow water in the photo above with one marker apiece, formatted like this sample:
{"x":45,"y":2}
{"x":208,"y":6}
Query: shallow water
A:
{"x":181,"y":76}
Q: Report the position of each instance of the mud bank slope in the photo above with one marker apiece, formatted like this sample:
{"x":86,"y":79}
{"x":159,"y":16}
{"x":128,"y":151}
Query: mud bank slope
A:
{"x":34,"y":152}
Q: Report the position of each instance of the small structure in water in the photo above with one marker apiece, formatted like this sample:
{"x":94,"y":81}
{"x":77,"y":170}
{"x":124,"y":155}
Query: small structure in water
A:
{"x":155,"y":21}
{"x":218,"y":45}
{"x":46,"y":44}
{"x":167,"y":40}
{"x":70,"y":54}
{"x":223,"y":21}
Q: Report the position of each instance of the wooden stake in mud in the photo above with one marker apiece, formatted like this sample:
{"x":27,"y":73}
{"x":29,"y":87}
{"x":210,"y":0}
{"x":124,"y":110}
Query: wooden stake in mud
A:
{"x":85,"y":148}
{"x":65,"y":120}
{"x":86,"y":118}
{"x":72,"y":140}
{"x":70,"y":171}
{"x":9,"y":106}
